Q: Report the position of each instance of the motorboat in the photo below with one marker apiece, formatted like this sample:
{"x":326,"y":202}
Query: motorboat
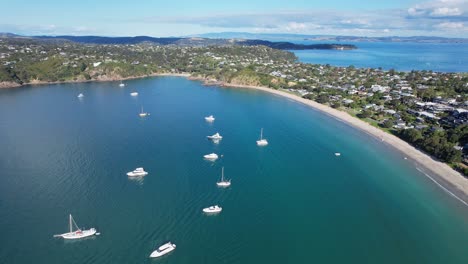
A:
{"x":214,"y":209}
{"x":223,"y":183}
{"x":212,"y":156}
{"x":216,"y":136}
{"x":137,"y":173}
{"x":80,"y":95}
{"x":262,"y":142}
{"x":122,"y":84}
{"x":210,"y":118}
{"x":78,"y":233}
{"x":134,"y":94}
{"x":337,"y":154}
{"x":163,"y":250}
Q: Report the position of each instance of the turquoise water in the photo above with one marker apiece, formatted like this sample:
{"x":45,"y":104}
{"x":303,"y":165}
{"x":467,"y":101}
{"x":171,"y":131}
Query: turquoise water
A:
{"x":441,"y":57}
{"x":290,"y":202}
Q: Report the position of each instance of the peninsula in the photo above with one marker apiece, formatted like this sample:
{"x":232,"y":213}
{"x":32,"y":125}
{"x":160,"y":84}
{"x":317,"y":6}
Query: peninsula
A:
{"x":426,"y":109}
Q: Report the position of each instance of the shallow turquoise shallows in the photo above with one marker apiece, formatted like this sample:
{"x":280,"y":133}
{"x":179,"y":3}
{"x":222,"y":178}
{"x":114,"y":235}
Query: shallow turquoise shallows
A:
{"x":292,"y":201}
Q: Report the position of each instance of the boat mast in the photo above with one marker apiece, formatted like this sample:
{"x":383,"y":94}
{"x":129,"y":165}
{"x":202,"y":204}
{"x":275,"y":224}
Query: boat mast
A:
{"x":71,"y":228}
{"x":222,"y":174}
{"x":261,"y":133}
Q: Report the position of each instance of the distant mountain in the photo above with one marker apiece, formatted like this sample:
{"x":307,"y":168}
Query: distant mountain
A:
{"x":190,"y":41}
{"x":328,"y":38}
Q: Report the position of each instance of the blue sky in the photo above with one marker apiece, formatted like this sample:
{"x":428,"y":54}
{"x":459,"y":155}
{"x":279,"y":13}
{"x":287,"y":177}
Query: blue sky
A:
{"x":183,"y":17}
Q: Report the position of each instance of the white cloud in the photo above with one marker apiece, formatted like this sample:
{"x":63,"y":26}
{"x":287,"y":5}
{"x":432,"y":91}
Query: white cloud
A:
{"x":451,"y":26}
{"x":446,"y":11}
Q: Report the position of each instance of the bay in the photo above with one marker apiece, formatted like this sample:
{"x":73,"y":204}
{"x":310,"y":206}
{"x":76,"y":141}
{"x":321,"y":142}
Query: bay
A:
{"x":401,"y":56}
{"x":293,"y":201}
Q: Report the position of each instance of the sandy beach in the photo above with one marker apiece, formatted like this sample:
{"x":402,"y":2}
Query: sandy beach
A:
{"x":440,"y":173}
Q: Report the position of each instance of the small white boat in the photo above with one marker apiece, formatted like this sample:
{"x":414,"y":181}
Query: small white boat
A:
{"x":80,"y":95}
{"x":262,"y":142}
{"x":122,"y":84}
{"x":214,"y":209}
{"x":212,"y":156}
{"x":78,"y":233}
{"x":137,"y":173}
{"x":223,"y":183}
{"x":210,"y":118}
{"x":216,"y":136}
{"x":337,"y":154}
{"x":142,"y":113}
{"x":163,"y":250}
{"x":134,"y":94}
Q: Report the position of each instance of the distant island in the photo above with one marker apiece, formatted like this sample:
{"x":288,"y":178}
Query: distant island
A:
{"x":193,"y":41}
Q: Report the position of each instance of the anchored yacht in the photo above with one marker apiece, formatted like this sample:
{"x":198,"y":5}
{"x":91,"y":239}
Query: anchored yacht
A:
{"x":262,"y":142}
{"x":210,"y":118}
{"x":137,"y":172}
{"x":223,"y":183}
{"x":216,"y":136}
{"x":212,"y":209}
{"x":212,"y":156}
{"x":134,"y":94}
{"x":163,"y":250}
{"x":78,"y":233}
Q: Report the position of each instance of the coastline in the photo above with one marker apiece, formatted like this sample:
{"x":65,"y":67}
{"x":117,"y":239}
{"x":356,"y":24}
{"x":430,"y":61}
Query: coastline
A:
{"x":440,"y":173}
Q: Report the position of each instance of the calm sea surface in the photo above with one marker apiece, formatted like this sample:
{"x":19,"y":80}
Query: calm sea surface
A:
{"x":293,"y":201}
{"x":441,"y":57}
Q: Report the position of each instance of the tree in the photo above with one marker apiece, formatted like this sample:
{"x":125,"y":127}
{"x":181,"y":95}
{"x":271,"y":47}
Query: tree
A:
{"x":322,"y":99}
{"x":387,"y":123}
{"x":411,"y":135}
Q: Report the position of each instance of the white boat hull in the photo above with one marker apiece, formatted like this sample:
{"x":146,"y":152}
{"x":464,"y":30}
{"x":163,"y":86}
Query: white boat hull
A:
{"x":163,"y":250}
{"x":132,"y":174}
{"x":223,"y":184}
{"x":262,"y":142}
{"x":79,"y":234}
{"x":211,"y":157}
{"x":211,"y":210}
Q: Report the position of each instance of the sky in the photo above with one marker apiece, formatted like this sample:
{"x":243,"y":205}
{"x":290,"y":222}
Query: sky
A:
{"x":446,"y":18}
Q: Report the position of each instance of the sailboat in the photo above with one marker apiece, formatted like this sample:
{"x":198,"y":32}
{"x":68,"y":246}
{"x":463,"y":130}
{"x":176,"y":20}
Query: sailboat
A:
{"x":143,"y":114}
{"x":223,"y":183}
{"x":262,"y":142}
{"x":78,"y":233}
{"x":122,"y":84}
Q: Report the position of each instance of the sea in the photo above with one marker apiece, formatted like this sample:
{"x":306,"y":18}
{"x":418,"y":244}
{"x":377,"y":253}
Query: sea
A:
{"x":292,"y":201}
{"x":401,"y":56}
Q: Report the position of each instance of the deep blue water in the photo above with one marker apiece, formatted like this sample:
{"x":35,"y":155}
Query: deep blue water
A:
{"x":441,"y":57}
{"x":293,"y":201}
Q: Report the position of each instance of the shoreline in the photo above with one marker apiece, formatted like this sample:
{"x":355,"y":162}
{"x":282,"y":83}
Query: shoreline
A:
{"x":448,"y":179}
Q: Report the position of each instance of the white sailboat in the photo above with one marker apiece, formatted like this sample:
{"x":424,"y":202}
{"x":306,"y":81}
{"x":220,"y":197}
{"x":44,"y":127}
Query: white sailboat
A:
{"x":210,"y":118}
{"x":223,"y":183}
{"x":262,"y":142}
{"x":80,"y":95}
{"x":122,"y":84}
{"x":134,"y":94}
{"x":163,"y":250}
{"x":78,"y":233}
{"x":216,"y":136}
{"x":142,"y":113}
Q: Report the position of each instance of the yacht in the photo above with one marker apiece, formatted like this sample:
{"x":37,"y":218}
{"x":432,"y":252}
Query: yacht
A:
{"x":214,"y":209}
{"x":163,"y":250}
{"x":134,"y":94}
{"x":212,"y":156}
{"x":262,"y":142}
{"x":143,"y":114}
{"x":78,"y":233}
{"x":80,"y":95}
{"x":210,"y":118}
{"x":216,"y":136}
{"x":223,"y":183}
{"x":337,"y":154}
{"x":137,"y":172}
{"x":122,"y":84}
